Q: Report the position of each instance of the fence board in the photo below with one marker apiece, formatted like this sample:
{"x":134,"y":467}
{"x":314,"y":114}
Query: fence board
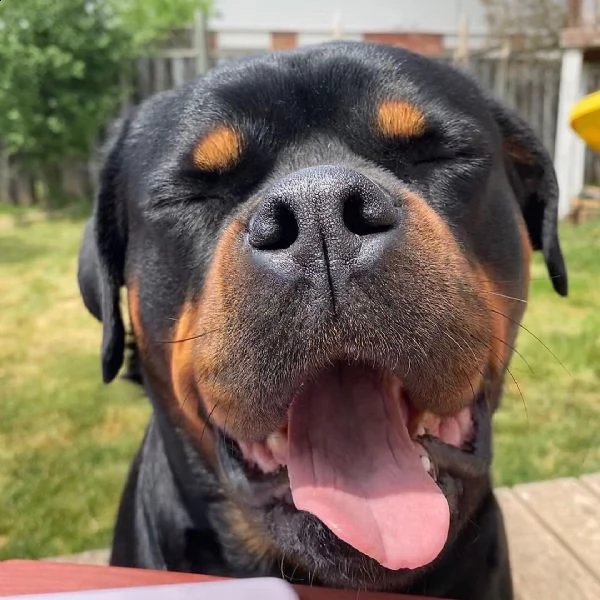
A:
{"x":144,"y":78}
{"x":160,"y":74}
{"x":4,"y":176}
{"x":21,"y":189}
{"x":549,"y":108}
{"x":178,"y":69}
{"x":526,"y":82}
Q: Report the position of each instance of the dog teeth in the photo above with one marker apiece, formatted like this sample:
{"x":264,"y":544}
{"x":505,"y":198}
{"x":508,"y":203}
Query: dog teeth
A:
{"x":420,"y":430}
{"x":277,"y":443}
{"x":426,"y":462}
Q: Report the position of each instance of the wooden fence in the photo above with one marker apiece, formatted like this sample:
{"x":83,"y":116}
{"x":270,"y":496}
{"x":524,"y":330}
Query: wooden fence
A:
{"x":530,"y":85}
{"x":527,"y":82}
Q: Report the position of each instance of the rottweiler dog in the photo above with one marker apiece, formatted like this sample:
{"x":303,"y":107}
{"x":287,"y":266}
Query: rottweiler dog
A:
{"x":326,"y":258}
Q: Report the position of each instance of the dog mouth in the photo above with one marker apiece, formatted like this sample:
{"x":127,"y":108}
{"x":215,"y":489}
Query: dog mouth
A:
{"x":357,"y":455}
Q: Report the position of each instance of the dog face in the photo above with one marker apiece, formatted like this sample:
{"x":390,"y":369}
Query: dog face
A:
{"x":326,"y":257}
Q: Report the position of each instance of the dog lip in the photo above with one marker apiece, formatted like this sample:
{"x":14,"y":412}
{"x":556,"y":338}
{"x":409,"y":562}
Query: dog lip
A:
{"x":250,"y":485}
{"x":259,"y":488}
{"x":464,"y":463}
{"x":269,"y":454}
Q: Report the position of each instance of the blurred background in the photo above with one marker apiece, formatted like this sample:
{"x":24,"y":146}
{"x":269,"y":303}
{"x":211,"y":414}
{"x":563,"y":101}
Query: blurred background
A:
{"x":69,"y":67}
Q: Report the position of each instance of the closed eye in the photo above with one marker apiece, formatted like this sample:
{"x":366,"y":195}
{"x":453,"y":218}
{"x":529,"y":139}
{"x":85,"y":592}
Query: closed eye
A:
{"x":439,"y":158}
{"x":472,"y":156}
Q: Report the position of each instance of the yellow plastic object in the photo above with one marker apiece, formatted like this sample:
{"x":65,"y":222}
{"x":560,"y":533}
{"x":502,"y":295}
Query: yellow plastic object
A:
{"x":585,"y":120}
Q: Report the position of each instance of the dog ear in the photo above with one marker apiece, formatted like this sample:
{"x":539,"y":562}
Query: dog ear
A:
{"x":533,"y":178}
{"x":102,"y":257}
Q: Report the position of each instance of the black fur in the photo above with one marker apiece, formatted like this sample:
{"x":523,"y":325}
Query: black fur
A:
{"x":158,"y":219}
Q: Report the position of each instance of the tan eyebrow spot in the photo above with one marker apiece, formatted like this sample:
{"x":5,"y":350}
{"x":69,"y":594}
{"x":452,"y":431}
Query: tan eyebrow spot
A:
{"x":219,"y":150}
{"x":397,"y":118}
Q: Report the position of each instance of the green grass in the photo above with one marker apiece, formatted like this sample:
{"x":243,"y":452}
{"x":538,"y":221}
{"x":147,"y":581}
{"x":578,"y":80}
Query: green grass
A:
{"x":553,"y":430}
{"x":66,"y":439}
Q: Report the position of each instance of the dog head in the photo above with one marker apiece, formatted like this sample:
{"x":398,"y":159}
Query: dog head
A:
{"x":326,"y":256}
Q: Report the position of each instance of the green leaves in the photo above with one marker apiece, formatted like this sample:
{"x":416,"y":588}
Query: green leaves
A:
{"x":63,"y":67}
{"x":56,"y":77}
{"x":150,"y":20}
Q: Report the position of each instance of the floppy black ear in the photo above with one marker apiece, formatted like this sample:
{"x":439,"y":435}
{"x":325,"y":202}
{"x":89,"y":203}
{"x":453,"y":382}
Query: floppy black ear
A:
{"x":534,"y":180}
{"x":102,"y":258}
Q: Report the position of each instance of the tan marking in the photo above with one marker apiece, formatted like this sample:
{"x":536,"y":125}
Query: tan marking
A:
{"x":397,"y":118}
{"x":250,"y":535}
{"x":219,"y":150}
{"x":182,"y":359}
{"x":497,"y":306}
{"x":431,"y":244}
{"x":133,"y":302}
{"x":194,"y":360}
{"x":505,"y":307}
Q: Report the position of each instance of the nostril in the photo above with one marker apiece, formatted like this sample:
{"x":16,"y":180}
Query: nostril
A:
{"x":368,"y":216}
{"x":275,"y":230}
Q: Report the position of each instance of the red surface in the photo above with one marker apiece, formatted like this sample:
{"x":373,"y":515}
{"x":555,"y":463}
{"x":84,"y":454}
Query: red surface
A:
{"x":31,"y":577}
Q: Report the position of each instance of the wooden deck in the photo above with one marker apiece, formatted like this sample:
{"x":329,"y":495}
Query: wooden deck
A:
{"x":553,"y":533}
{"x":554,"y":538}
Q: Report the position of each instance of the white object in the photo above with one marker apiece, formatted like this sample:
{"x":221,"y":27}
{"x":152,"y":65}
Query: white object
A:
{"x":265,"y":588}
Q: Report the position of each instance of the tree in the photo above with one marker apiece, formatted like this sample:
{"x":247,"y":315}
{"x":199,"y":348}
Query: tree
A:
{"x":528,"y":24}
{"x":148,"y":21}
{"x":63,"y":66}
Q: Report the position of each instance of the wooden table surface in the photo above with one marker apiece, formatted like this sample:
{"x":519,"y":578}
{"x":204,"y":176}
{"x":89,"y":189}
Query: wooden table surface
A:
{"x":19,"y":577}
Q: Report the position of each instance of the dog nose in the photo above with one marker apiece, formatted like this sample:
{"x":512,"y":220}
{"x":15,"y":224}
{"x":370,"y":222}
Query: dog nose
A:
{"x":328,"y":215}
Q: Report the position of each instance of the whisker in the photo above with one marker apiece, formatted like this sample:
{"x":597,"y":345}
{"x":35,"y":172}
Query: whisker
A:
{"x":520,"y":393}
{"x":472,"y":388}
{"x":541,"y":278}
{"x":281,"y":569}
{"x":474,"y":357}
{"x":519,"y":354}
{"x":466,"y":343}
{"x":227,"y":416}
{"x":189,"y":339}
{"x":207,"y":422}
{"x":533,"y":336}
{"x":505,"y":296}
{"x":588,"y":452}
{"x":185,"y":398}
{"x":517,"y":384}
{"x":460,"y":347}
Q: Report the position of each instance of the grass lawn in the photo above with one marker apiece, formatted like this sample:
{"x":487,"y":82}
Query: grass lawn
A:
{"x":66,"y":439}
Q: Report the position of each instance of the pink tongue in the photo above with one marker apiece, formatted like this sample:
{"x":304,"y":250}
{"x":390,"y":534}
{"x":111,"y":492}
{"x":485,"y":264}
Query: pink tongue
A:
{"x":353,"y":465}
